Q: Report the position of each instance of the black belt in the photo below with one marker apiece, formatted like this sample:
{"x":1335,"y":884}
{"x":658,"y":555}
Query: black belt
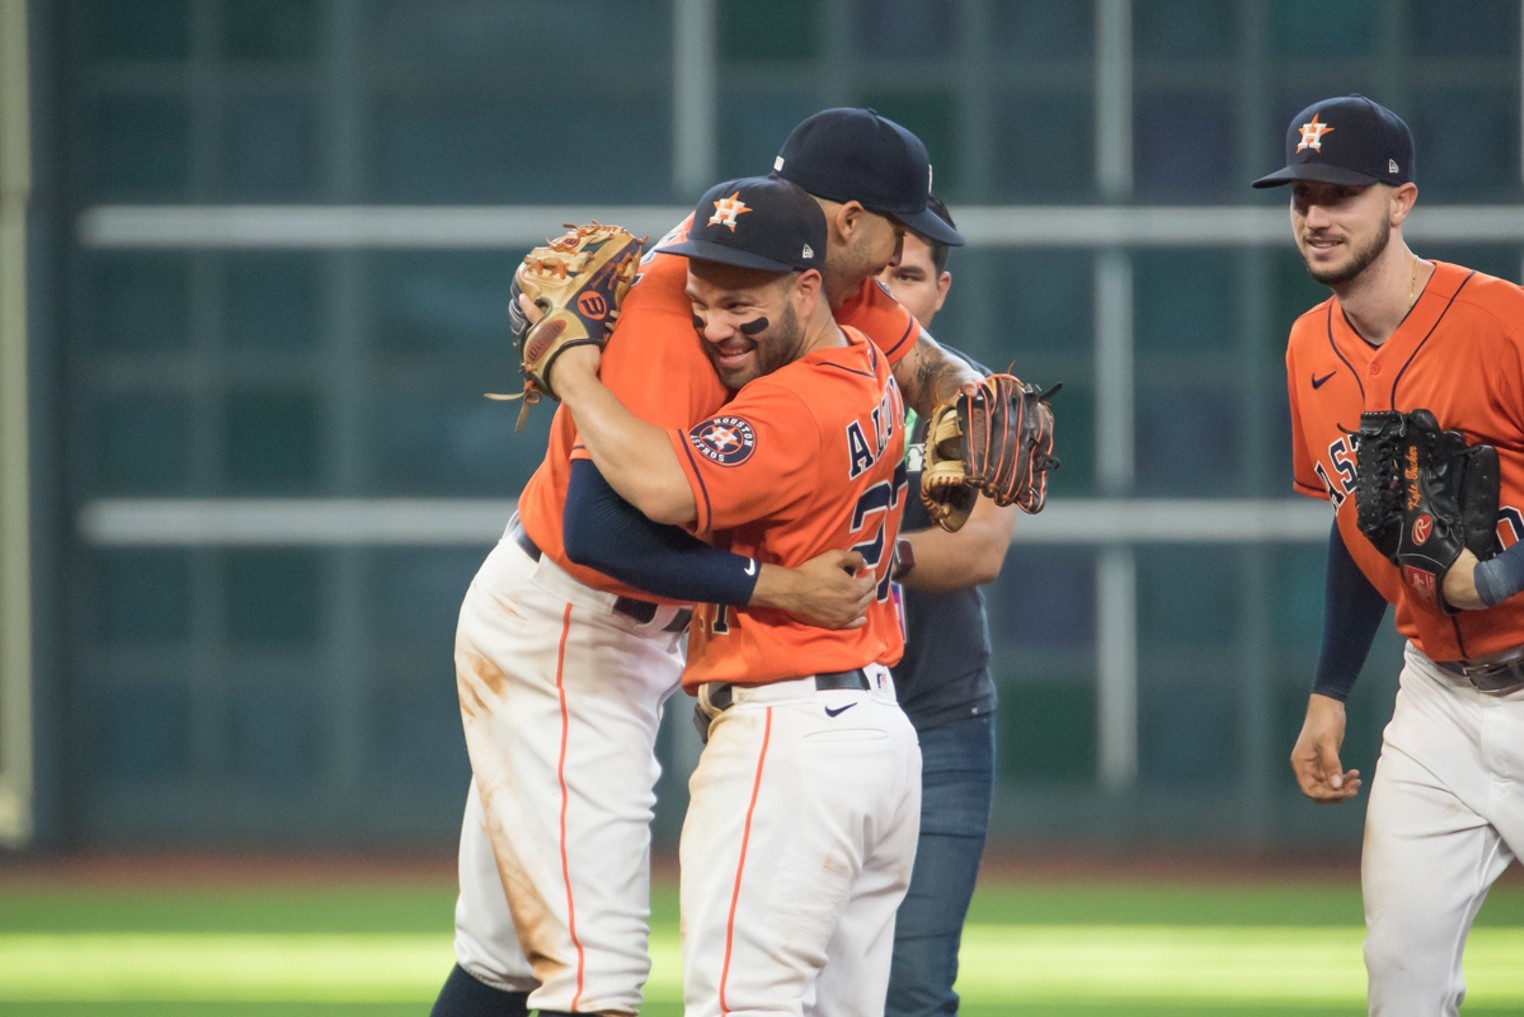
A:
{"x":722,"y":698}
{"x":1499,"y":677}
{"x":642,"y":611}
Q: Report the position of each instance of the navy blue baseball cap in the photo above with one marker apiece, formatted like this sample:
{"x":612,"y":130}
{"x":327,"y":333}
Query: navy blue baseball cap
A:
{"x":757,"y":222}
{"x":847,"y":154}
{"x":1348,"y":140}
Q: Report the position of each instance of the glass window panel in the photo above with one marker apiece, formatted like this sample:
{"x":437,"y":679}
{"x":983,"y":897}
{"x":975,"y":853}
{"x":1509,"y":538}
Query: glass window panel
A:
{"x":416,"y":726}
{"x":272,"y":300}
{"x":270,"y":147}
{"x":1188,"y":729}
{"x":1043,"y":30}
{"x":1460,"y":158}
{"x":776,"y":32}
{"x":462,"y":148}
{"x":140,"y":148}
{"x":1483,"y":28}
{"x":1309,"y":29}
{"x":1057,"y":614}
{"x":1184,"y":145}
{"x":482,"y":38}
{"x":1047,"y":732}
{"x":452,"y":443}
{"x":1184,"y":301}
{"x":1044,"y":145}
{"x":1188,"y":442}
{"x":1185,"y":30}
{"x":269,"y":31}
{"x":139,"y":733}
{"x":906,"y":29}
{"x":933,"y":116}
{"x":142,"y":445}
{"x":275,"y":733}
{"x":272,"y":442}
{"x":1203,"y":577}
{"x":755,"y":127}
{"x":141,"y":30}
{"x":1295,"y":291}
{"x":437,"y":303}
{"x":414,"y":595}
{"x":139,"y":301}
{"x":1049,"y":296}
{"x":1298,"y":607}
{"x":143,"y":596}
{"x":274,"y":596}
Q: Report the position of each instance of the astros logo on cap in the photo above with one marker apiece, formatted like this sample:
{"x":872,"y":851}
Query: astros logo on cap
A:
{"x":1312,"y":134}
{"x":725,"y":441}
{"x":726,"y":210}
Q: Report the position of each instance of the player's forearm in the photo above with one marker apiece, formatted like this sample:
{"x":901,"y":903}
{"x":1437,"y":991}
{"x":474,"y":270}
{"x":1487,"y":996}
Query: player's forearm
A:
{"x":929,"y":375}
{"x":635,"y":457}
{"x":972,"y":556}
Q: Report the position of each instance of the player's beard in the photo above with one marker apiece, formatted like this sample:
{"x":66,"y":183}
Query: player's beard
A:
{"x":780,"y":343}
{"x":1360,"y":258}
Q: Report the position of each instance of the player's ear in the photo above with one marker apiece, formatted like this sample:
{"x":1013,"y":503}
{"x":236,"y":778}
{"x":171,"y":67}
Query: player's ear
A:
{"x":1402,"y":199}
{"x":807,"y":287}
{"x":846,"y":218}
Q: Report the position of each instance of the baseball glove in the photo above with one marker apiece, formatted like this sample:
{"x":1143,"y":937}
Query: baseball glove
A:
{"x":1423,"y":494}
{"x":577,"y":282}
{"x":997,"y":440}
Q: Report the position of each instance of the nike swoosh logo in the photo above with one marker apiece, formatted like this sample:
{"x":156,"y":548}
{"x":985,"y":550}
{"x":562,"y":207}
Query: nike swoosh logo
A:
{"x":1318,"y":382}
{"x":751,"y":566}
{"x":839,"y":710}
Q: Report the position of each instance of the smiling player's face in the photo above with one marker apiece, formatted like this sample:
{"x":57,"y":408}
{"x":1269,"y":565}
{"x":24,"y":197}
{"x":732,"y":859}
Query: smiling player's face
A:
{"x":746,"y":319}
{"x":1340,"y":230}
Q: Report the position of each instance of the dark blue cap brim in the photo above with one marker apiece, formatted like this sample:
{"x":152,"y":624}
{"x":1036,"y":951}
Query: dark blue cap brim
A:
{"x":1316,"y":171}
{"x":929,"y":225}
{"x":705,"y":250}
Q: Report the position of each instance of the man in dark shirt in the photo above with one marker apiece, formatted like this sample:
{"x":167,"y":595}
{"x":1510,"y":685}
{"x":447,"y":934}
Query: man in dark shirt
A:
{"x":944,"y":686}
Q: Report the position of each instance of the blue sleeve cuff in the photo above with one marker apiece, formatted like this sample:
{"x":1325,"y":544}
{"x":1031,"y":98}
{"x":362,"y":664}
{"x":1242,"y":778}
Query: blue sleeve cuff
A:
{"x":1502,"y":577}
{"x":607,"y":533}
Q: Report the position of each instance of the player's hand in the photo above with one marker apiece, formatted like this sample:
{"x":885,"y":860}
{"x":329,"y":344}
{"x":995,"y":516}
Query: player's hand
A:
{"x":1460,"y":583}
{"x":825,"y":591}
{"x":1315,"y":758}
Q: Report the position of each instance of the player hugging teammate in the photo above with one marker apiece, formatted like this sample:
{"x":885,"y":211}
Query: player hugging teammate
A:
{"x":571,"y":635}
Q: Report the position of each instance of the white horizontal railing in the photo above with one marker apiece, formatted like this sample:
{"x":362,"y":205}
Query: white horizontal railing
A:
{"x":455,"y":522}
{"x":461,"y":227}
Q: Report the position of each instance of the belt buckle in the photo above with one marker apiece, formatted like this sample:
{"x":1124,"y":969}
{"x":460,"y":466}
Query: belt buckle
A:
{"x":1501,"y":677}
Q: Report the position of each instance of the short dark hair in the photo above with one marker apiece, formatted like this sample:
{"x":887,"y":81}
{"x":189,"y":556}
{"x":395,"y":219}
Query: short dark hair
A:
{"x":939,"y":251}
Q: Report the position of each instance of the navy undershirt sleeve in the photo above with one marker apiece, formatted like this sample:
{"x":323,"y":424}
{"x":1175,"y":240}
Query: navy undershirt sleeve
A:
{"x":1502,"y":577}
{"x":607,"y":533}
{"x":1352,"y":612}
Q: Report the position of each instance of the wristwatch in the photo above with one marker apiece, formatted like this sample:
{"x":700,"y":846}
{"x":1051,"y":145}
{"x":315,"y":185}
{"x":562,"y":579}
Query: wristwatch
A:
{"x":904,"y":560}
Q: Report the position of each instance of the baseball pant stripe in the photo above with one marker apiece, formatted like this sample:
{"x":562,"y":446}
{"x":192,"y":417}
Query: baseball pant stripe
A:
{"x":735,"y":893}
{"x":571,"y":910}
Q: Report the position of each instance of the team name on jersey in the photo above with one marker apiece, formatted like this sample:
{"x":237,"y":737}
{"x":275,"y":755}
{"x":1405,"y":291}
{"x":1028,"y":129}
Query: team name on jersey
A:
{"x":863,"y":453}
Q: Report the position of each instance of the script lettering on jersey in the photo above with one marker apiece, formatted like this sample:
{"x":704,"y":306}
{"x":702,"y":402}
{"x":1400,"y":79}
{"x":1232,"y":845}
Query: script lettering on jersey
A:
{"x":1342,"y":454}
{"x":863,"y":453}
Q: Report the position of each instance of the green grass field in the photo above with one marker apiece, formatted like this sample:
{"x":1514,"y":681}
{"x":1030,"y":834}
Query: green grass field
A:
{"x":332,"y":947}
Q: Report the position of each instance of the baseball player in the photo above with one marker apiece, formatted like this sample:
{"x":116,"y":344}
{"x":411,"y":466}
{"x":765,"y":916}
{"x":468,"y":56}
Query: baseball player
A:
{"x":563,"y":670}
{"x":800,"y":833}
{"x":944,"y":685}
{"x":1401,"y":333}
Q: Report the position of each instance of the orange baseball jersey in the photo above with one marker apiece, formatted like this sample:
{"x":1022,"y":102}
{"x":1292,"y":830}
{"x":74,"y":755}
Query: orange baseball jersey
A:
{"x":656,"y":366}
{"x":1460,"y":354}
{"x":807,"y":458}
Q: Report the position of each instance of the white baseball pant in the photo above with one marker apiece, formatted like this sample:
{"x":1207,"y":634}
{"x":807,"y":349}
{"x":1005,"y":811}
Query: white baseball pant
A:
{"x":797,"y":849}
{"x":1445,"y":818}
{"x":561,"y":698}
